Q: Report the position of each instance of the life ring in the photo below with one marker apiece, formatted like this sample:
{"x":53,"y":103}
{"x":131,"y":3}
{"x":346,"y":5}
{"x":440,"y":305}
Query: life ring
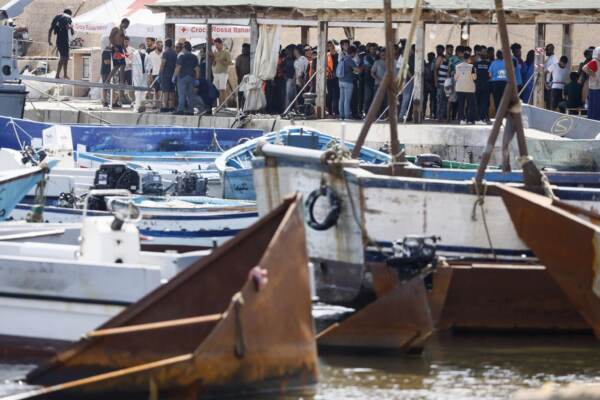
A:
{"x":335,"y":204}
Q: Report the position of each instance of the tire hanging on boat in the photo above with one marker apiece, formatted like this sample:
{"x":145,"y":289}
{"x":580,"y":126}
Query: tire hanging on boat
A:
{"x":335,"y":204}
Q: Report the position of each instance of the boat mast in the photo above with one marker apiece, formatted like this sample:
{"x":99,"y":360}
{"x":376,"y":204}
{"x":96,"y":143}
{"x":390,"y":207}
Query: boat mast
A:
{"x":390,"y":84}
{"x":510,"y":108}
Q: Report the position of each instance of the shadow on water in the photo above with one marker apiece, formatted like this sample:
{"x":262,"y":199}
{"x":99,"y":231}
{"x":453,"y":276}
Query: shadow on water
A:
{"x":465,"y":367}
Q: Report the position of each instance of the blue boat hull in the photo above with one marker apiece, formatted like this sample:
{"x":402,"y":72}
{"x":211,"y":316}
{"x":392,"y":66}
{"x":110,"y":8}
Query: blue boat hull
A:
{"x":13,"y":190}
{"x":237,"y":175}
{"x":97,"y":138}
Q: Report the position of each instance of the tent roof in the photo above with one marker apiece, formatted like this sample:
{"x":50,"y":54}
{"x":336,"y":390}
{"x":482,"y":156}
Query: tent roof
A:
{"x":518,"y":11}
{"x":102,"y":18}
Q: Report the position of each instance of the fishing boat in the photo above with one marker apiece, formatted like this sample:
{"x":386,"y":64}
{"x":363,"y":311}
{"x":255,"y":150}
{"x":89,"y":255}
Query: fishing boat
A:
{"x":17,"y":133}
{"x":235,"y":164}
{"x":357,"y":214}
{"x":15,"y":184}
{"x":186,"y":221}
{"x":235,"y":323}
{"x":51,"y":293}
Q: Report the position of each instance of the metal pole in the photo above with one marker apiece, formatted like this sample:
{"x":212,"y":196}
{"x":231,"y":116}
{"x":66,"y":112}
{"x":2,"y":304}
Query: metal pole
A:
{"x":299,"y":94}
{"x":390,"y":65}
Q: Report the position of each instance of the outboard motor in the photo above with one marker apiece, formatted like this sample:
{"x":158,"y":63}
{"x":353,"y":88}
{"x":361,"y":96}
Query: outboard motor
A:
{"x":190,"y":184}
{"x":429,"y":161}
{"x":152,"y":184}
{"x":412,"y":255}
{"x":67,"y":200}
{"x":116,"y":176}
{"x":112,"y":176}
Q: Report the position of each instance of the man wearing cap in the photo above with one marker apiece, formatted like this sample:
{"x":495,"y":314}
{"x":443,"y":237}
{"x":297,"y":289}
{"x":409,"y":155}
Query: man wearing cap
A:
{"x":221,"y":61}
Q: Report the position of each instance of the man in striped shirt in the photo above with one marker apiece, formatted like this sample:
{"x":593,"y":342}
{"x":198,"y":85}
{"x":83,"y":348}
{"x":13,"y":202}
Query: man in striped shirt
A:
{"x":440,"y":74}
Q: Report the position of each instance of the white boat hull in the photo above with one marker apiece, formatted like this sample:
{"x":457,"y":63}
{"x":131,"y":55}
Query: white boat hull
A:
{"x":48,"y":293}
{"x":168,"y":228}
{"x":378,"y":210}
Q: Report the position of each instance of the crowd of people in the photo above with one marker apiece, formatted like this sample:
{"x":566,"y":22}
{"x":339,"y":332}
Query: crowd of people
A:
{"x":461,"y":84}
{"x":174,"y":73}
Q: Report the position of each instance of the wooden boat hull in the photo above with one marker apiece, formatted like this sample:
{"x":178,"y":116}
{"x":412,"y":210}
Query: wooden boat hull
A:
{"x":390,"y":208}
{"x":567,"y":244}
{"x":398,"y":320}
{"x":268,"y":326}
{"x":502,"y":298}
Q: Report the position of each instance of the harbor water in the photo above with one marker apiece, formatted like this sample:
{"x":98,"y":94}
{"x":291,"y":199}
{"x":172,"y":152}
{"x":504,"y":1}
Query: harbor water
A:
{"x":465,"y":367}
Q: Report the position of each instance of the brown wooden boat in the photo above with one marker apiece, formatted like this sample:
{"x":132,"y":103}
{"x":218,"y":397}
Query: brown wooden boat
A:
{"x":238,"y":321}
{"x":398,"y":320}
{"x":567,"y":244}
{"x":501,"y":298}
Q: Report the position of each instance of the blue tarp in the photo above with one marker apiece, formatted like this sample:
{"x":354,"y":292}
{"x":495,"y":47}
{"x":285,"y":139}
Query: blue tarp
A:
{"x":129,"y":138}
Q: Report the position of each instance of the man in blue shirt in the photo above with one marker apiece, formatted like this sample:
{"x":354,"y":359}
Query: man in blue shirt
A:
{"x":347,"y":83}
{"x":482,"y":85}
{"x":187,"y":71}
{"x":498,"y":79}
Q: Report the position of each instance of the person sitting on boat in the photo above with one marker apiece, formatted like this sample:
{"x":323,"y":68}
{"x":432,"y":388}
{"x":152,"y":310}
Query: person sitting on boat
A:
{"x":572,"y":94}
{"x":592,"y":69}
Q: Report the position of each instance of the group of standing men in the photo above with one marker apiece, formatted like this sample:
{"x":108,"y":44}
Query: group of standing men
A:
{"x":174,"y":75}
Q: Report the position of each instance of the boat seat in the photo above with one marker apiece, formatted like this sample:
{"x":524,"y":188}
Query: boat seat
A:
{"x":577,"y":111}
{"x":304,"y":141}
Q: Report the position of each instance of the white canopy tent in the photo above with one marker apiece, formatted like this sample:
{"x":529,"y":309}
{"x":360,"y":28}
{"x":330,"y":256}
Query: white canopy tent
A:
{"x":143,"y":23}
{"x":104,"y":17}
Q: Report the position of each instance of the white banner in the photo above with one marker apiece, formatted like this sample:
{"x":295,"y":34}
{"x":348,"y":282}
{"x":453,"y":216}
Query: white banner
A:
{"x":218,"y":31}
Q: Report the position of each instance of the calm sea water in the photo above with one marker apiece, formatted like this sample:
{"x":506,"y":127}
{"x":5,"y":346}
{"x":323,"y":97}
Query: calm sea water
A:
{"x":457,"y":367}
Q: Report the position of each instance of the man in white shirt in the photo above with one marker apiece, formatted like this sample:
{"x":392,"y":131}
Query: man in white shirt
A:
{"x":139,"y":76}
{"x":551,"y":59}
{"x":300,"y":66}
{"x":465,"y":76}
{"x":154,"y":60}
{"x":556,"y":80}
{"x":129,"y":50}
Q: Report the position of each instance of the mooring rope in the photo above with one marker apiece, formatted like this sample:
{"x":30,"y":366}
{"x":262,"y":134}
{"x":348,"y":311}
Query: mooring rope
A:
{"x":480,"y":201}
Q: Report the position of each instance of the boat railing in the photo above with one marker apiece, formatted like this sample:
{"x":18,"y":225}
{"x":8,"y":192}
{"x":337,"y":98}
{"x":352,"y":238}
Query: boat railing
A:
{"x":299,"y":154}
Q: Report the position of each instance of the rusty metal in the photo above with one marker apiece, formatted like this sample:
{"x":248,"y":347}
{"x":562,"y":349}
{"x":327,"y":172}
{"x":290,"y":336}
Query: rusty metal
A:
{"x":566,"y":244}
{"x":506,"y":298}
{"x":190,"y":360}
{"x":398,"y":320}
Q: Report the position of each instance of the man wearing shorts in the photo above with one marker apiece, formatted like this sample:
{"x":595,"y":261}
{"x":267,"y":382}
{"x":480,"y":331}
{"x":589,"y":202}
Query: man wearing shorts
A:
{"x":220,"y":68}
{"x":116,"y":38}
{"x":60,"y":26}
{"x":105,"y":72}
{"x":167,"y":69}
{"x":153,"y":66}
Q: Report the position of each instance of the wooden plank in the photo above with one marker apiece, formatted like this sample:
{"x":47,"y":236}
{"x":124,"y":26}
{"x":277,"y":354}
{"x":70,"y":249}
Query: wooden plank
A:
{"x":418,"y":110}
{"x":540,"y":43}
{"x":567,"y":43}
{"x":390,"y":65}
{"x":209,"y":40}
{"x":304,"y":35}
{"x":322,"y":69}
